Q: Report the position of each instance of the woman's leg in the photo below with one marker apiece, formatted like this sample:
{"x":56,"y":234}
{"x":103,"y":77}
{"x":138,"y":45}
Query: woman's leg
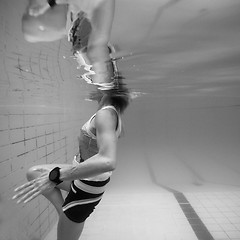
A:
{"x":54,"y":195}
{"x":67,"y":229}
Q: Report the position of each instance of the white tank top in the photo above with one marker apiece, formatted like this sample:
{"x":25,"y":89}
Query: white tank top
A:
{"x":86,"y":126}
{"x":87,"y":131}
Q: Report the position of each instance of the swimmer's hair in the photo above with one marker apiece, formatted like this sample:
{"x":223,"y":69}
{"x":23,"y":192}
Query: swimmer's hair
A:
{"x":118,"y":96}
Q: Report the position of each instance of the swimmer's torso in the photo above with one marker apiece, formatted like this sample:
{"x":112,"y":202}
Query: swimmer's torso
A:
{"x":86,"y":6}
{"x":88,"y":143}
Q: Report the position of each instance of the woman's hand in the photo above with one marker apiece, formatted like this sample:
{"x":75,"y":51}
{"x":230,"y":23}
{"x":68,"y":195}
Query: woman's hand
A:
{"x":38,"y":7}
{"x":32,"y":189}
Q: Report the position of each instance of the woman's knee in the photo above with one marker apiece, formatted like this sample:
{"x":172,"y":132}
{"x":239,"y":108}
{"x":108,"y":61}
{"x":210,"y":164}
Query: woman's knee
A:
{"x":32,"y":173}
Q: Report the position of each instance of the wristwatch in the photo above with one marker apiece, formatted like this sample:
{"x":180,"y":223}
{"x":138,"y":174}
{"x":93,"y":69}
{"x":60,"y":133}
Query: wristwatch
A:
{"x":54,"y":175}
{"x":52,"y":3}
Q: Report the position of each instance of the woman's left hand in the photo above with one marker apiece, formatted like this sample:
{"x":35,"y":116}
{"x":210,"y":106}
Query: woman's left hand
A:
{"x":32,"y":189}
{"x":38,"y":7}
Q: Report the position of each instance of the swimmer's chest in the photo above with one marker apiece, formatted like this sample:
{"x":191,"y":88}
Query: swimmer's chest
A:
{"x":91,"y":126}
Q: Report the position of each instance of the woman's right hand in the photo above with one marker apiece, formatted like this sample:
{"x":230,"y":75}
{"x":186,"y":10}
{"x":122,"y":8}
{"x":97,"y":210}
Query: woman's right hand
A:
{"x":32,"y":189}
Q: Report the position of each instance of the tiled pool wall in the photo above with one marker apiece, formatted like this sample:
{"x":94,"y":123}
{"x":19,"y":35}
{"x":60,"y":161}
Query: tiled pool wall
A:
{"x":41,"y":110}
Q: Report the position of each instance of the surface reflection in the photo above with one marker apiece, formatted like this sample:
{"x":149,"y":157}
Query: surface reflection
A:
{"x":87,"y":25}
{"x":180,"y":58}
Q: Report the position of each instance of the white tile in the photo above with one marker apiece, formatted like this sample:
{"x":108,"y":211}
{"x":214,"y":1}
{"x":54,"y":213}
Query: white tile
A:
{"x":228,"y":227}
{"x":213,"y":227}
{"x":219,"y":235}
{"x":233,"y":234}
{"x":208,"y":221}
{"x":222,"y":220}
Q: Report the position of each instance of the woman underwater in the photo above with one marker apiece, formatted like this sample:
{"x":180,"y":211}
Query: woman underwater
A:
{"x":87,"y":177}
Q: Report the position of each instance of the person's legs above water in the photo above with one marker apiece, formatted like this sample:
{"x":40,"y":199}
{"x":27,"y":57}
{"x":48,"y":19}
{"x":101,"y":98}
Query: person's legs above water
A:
{"x":47,"y":27}
{"x":79,"y":33}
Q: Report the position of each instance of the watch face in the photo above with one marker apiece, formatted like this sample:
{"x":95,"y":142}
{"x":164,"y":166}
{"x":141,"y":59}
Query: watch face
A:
{"x":53,"y":175}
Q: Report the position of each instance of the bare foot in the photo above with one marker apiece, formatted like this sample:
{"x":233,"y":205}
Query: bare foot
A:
{"x":38,"y":7}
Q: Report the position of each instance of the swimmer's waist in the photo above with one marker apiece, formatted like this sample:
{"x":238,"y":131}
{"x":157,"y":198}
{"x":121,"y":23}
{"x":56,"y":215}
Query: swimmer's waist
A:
{"x":99,"y":178}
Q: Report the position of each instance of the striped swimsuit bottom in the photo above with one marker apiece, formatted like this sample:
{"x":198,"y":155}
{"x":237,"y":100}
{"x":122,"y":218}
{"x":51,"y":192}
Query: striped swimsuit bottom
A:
{"x":82,"y":199}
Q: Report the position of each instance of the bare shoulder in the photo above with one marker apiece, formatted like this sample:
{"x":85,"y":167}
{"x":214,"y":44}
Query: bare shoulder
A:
{"x":106,"y":118}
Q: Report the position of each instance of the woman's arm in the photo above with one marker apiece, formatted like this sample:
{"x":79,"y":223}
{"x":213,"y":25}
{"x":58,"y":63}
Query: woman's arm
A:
{"x":101,"y":20}
{"x":98,"y":52}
